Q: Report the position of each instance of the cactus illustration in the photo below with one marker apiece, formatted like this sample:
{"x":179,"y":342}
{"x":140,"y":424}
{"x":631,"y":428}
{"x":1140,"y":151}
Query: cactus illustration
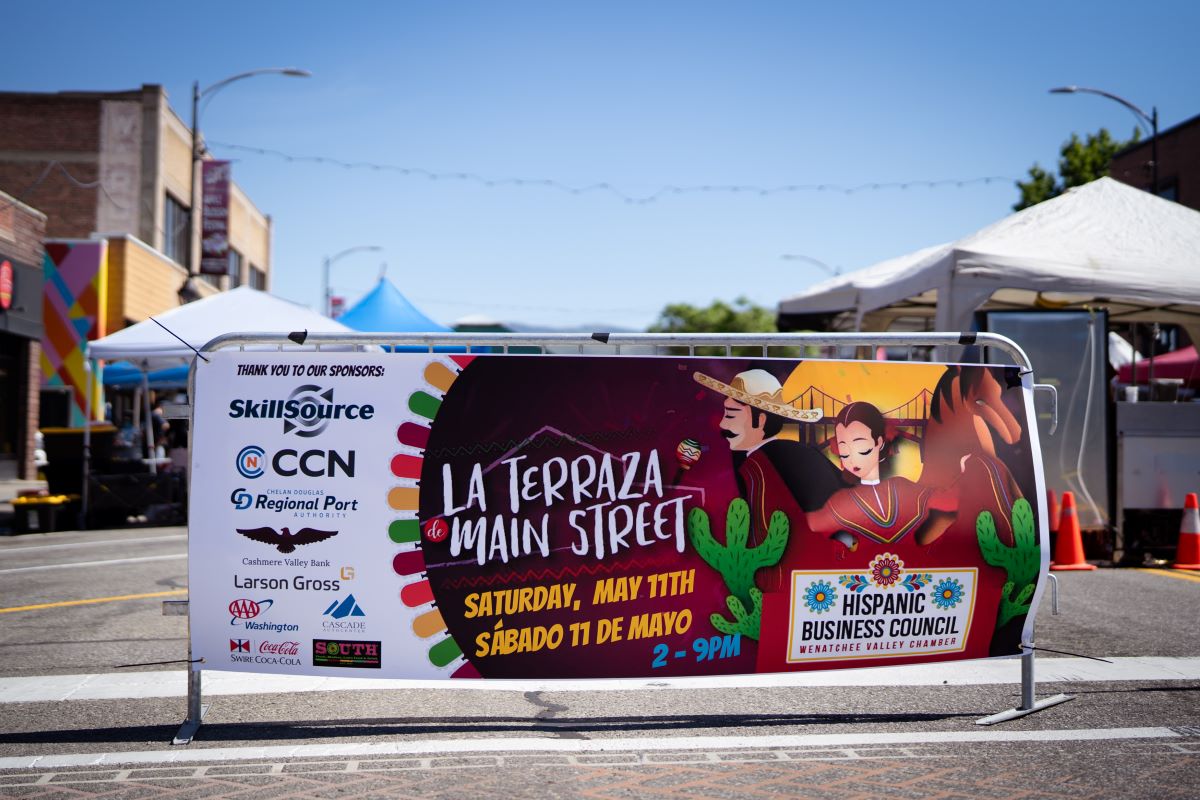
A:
{"x":738,"y":563}
{"x":747,"y":623}
{"x":1020,"y":561}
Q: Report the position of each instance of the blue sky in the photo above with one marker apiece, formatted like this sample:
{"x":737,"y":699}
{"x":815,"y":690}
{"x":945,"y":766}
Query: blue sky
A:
{"x":637,"y":95}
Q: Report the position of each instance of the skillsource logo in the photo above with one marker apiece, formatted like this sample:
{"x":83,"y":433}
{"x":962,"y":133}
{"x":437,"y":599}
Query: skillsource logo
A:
{"x":343,"y":653}
{"x":306,"y":412}
{"x":252,"y":462}
{"x":344,"y":616}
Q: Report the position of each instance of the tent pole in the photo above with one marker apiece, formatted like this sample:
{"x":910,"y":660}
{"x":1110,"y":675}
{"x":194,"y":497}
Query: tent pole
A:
{"x":148,"y":423}
{"x":89,"y":369}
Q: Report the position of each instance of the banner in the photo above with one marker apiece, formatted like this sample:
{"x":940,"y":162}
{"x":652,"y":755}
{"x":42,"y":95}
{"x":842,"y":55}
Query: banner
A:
{"x":214,"y":207}
{"x":426,"y":516}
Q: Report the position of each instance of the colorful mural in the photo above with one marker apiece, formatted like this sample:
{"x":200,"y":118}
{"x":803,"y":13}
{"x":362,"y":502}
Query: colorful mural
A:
{"x":73,"y":310}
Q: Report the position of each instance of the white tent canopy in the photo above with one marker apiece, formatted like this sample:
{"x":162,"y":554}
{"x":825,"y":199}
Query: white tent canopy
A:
{"x":1101,"y":244}
{"x":241,"y":310}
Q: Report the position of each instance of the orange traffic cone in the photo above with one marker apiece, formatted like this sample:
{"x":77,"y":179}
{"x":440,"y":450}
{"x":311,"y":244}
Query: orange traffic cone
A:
{"x":1068,"y":550}
{"x":1187,"y":555}
{"x":1052,"y":511}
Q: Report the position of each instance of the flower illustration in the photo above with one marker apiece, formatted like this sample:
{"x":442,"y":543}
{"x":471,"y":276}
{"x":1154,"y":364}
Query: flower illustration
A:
{"x":948,"y":593}
{"x":819,"y":596}
{"x":885,"y":570}
{"x":855,"y":583}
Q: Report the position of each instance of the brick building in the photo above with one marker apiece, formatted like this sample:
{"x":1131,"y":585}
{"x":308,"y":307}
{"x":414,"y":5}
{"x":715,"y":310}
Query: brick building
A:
{"x":1178,"y":164}
{"x":21,"y":231}
{"x":112,"y":172}
{"x":117,"y":165}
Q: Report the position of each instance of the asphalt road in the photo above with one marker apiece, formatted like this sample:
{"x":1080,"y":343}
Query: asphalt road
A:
{"x":90,"y":604}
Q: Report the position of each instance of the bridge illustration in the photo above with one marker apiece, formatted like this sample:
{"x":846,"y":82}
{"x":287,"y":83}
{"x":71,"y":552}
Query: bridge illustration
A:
{"x":907,"y":419}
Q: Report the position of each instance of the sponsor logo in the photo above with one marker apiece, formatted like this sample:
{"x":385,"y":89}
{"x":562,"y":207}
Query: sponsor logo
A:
{"x":252,"y":462}
{"x":344,"y":616}
{"x":283,"y":539}
{"x":346,"y":573}
{"x":241,"y":499}
{"x":244,"y":611}
{"x":300,"y":583}
{"x":280,"y":648}
{"x":247,"y":609}
{"x":305,"y":412}
{"x":325,"y":505}
{"x":239,"y":645}
{"x":277,"y":653}
{"x":344,"y":653}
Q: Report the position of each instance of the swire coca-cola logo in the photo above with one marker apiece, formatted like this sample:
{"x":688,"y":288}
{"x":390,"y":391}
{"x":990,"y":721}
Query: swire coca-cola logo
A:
{"x":280,"y":648}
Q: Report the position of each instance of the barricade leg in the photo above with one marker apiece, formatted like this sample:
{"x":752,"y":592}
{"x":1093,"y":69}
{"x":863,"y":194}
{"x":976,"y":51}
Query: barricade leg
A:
{"x":195,"y":710}
{"x":1029,"y":701}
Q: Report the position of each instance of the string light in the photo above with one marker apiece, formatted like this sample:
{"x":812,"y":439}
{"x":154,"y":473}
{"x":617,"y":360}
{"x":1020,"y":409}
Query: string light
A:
{"x":608,"y":187}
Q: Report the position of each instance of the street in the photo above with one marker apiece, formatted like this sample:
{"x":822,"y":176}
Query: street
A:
{"x":92,"y":689}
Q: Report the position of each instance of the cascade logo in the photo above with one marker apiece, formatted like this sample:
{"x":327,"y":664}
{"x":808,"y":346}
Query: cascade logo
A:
{"x":284,"y":540}
{"x":239,"y":645}
{"x":344,"y":616}
{"x":247,"y":609}
{"x":306,"y":412}
{"x":252,"y":462}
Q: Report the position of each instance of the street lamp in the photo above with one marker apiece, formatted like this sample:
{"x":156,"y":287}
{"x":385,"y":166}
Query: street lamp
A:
{"x":1142,"y":116}
{"x":329,"y":260}
{"x":188,"y":292}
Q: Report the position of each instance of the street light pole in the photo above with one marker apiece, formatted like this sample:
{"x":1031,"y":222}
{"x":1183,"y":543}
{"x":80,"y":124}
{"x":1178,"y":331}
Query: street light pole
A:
{"x":1142,"y":116}
{"x":329,"y":261}
{"x":188,"y":292}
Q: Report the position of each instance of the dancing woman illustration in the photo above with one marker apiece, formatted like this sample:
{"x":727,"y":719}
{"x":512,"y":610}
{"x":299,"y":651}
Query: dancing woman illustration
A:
{"x":881,"y":510}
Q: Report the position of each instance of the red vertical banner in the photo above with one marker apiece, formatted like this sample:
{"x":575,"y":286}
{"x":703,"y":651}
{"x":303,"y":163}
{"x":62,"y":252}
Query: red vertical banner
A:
{"x":214,"y":206}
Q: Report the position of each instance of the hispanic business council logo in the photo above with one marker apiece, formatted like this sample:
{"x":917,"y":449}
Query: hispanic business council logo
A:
{"x":345,"y":653}
{"x":344,"y":615}
{"x":306,"y":412}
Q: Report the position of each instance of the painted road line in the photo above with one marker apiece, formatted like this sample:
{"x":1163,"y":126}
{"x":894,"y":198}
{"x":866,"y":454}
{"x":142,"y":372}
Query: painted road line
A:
{"x":111,"y":562}
{"x":92,"y":600}
{"x":1170,"y":573}
{"x":173,"y":683}
{"x":9,"y":551}
{"x":538,"y":745}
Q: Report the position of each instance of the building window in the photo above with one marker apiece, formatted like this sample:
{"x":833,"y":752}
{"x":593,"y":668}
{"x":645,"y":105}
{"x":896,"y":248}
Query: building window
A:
{"x":212,"y":280}
{"x":177,"y":231}
{"x":258,"y":278}
{"x":235,"y":268}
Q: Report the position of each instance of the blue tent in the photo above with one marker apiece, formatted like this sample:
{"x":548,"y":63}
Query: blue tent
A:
{"x":126,"y":375}
{"x":385,"y":310}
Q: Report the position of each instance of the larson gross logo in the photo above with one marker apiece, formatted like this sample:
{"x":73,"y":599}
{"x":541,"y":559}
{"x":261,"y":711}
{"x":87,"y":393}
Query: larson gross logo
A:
{"x":306,"y":412}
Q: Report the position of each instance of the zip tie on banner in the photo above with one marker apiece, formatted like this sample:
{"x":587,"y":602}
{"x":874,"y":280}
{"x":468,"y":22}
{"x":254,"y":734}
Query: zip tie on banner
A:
{"x":162,"y":663}
{"x":180,"y":338}
{"x":1065,"y":653}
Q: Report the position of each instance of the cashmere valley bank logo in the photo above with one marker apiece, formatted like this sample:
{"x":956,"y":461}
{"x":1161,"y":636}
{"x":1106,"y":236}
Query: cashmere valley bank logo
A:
{"x":306,"y":412}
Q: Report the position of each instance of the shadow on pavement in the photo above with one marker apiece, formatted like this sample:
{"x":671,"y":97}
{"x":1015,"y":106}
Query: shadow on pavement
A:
{"x":434,"y":726}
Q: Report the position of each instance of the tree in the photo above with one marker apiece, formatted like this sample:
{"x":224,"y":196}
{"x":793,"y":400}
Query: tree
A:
{"x":1080,"y":162}
{"x":719,"y":317}
{"x":742,"y":316}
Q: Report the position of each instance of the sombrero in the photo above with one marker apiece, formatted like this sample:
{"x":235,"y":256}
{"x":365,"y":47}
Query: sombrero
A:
{"x":761,"y":389}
